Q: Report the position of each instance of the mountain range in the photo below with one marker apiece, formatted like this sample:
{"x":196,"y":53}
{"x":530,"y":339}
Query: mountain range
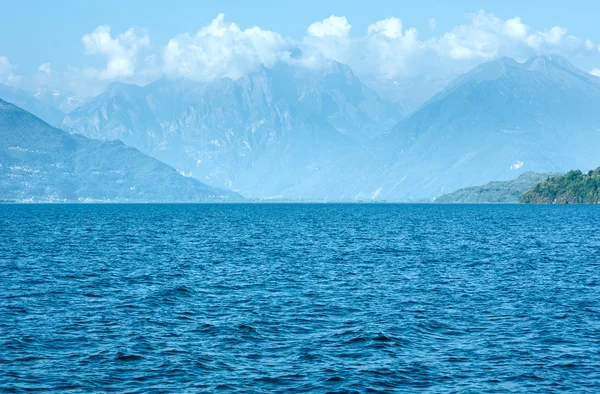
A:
{"x":41,"y":163}
{"x":296,"y":134}
{"x":260,"y":134}
{"x":501,"y":119}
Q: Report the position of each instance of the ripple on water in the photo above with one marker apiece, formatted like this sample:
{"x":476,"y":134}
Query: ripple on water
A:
{"x":308,"y":298}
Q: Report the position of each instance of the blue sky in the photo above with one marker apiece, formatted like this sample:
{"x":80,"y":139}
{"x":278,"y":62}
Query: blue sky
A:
{"x":34,"y":33}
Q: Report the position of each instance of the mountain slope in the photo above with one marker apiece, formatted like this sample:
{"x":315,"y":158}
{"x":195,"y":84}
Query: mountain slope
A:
{"x":261,"y":134}
{"x":494,"y":123}
{"x":496,"y":192}
{"x":41,"y":163}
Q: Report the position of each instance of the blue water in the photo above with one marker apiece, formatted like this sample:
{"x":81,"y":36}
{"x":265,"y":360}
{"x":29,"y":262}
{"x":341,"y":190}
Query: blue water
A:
{"x":264,"y":298}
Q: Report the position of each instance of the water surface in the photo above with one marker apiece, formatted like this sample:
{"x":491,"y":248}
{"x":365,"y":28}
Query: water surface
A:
{"x":263,"y":298}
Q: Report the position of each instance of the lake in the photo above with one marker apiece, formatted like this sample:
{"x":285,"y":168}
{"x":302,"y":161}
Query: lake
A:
{"x":299,"y":297}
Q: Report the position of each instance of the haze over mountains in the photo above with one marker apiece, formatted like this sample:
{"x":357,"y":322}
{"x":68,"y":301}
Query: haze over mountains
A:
{"x":291,"y":133}
{"x":30,"y":103}
{"x":494,"y":123}
{"x":259,"y":135}
{"x":41,"y":163}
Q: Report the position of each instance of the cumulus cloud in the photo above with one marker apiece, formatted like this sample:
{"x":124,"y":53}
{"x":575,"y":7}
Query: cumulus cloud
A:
{"x":516,"y":29}
{"x":222,"y":49}
{"x":596,"y":72}
{"x":387,"y":52}
{"x":8,"y":72}
{"x":334,"y":26}
{"x":487,"y":37}
{"x":551,"y":38}
{"x":327,"y":40}
{"x":390,"y":27}
{"x":121,"y":51}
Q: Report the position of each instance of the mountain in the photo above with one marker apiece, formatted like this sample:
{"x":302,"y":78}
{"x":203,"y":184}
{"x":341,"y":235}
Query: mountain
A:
{"x":499,"y":120}
{"x":409,"y":94}
{"x":28,"y":102}
{"x":574,"y":187}
{"x":496,"y":192}
{"x":260,"y":134}
{"x":59,"y":100}
{"x":41,"y":163}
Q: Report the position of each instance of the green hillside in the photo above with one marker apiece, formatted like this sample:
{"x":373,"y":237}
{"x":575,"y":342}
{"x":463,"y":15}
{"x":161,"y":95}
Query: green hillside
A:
{"x":574,"y":187}
{"x":496,"y":192}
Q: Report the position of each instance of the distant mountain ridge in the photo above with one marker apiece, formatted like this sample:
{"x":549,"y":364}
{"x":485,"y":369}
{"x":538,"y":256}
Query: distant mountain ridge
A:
{"x":260,"y":134}
{"x":41,"y":163}
{"x":494,"y":123}
{"x":31,"y":104}
{"x":496,"y":192}
{"x":65,"y":103}
{"x":294,"y":134}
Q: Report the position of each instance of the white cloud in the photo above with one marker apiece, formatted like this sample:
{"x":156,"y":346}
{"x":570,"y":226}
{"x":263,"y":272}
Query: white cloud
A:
{"x":8,"y":72}
{"x":335,"y":26}
{"x":467,"y":42}
{"x":121,"y":51}
{"x":390,"y":52}
{"x":551,"y":38}
{"x":387,"y":53}
{"x":596,"y":72}
{"x":222,"y":49}
{"x":486,"y":37}
{"x":589,"y":45}
{"x":514,"y":28}
{"x":45,"y":68}
{"x":387,"y":50}
{"x":433,"y":23}
{"x":390,"y":27}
